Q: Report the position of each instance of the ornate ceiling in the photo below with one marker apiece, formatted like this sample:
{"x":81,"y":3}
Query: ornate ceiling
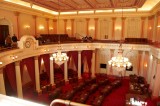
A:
{"x":72,"y":5}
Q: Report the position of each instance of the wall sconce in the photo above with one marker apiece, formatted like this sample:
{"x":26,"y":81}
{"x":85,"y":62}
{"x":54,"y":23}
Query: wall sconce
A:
{"x":26,"y":26}
{"x":1,"y":62}
{"x":50,"y":28}
{"x":118,"y":28}
{"x":158,"y":26}
{"x":68,"y":29}
{"x":145,"y":65}
{"x":91,"y":28}
{"x":13,"y":57}
{"x":46,"y":50}
{"x":41,"y":27}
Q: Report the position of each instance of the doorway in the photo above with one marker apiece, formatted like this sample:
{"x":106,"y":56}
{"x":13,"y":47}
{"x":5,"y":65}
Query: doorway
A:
{"x":4,"y":32}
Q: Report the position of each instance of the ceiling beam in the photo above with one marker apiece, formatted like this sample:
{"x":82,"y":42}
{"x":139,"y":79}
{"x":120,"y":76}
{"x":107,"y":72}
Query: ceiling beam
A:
{"x":90,"y":3}
{"x":70,"y":4}
{"x":111,"y":2}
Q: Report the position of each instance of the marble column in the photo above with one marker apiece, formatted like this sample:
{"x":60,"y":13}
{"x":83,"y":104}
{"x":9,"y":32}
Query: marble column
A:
{"x":2,"y":87}
{"x":65,"y":26}
{"x":35,"y":25}
{"x":93,"y":63}
{"x":47,"y":21}
{"x":150,"y":68}
{"x":72,"y":27}
{"x":66,"y":71}
{"x":113,"y":27}
{"x":154,"y":67}
{"x":139,"y":62}
{"x":79,"y":65}
{"x":37,"y":79}
{"x":142,"y":63}
{"x":51,"y":72}
{"x":96,"y":28}
{"x":17,"y":22}
{"x":142,"y":26}
{"x":55,"y":26}
{"x":87,"y":26}
{"x":110,"y":71}
{"x":156,"y":86}
{"x":18,"y":79}
{"x":123,"y":28}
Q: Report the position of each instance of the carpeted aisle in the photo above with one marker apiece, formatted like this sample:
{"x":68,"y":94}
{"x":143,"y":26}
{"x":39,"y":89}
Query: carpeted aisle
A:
{"x":117,"y":96}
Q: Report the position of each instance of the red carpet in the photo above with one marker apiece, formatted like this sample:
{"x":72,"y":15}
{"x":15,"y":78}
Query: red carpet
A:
{"x":115,"y":98}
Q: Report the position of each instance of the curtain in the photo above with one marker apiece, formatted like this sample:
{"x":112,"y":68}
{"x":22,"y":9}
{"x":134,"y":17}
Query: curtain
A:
{"x":88,"y":54}
{"x":29,"y":62}
{"x":46,"y":60}
{"x":74,"y":55}
{"x":10,"y":73}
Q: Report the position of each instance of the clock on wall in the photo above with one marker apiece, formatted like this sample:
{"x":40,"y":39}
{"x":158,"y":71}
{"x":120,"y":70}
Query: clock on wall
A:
{"x":27,"y":44}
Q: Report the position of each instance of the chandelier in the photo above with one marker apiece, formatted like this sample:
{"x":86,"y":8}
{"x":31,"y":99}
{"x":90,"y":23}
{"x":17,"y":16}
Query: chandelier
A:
{"x":119,"y":63}
{"x":59,"y":57}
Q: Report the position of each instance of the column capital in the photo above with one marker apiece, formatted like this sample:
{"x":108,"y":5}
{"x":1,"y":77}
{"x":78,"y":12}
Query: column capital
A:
{"x":16,"y":13}
{"x":123,"y":18}
{"x":93,"y":51}
{"x":54,"y":20}
{"x":158,"y":13}
{"x":17,"y":63}
{"x":151,"y":17}
{"x":96,"y":19}
{"x":47,"y":19}
{"x":114,"y":18}
{"x":143,"y":18}
{"x":34,"y":16}
{"x":65,"y":20}
{"x":36,"y":58}
{"x":72,"y":20}
{"x":79,"y":52}
{"x":87,"y":19}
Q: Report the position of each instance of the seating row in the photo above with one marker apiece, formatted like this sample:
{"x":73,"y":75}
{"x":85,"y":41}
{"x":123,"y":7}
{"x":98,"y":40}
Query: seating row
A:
{"x":106,"y":91}
{"x":51,"y":38}
{"x":138,"y":85}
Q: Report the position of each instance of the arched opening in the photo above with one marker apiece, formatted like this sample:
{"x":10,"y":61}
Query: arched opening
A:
{"x":5,"y":30}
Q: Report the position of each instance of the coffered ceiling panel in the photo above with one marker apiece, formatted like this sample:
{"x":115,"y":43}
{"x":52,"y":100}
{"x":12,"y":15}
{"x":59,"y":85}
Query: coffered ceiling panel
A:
{"x":72,"y":5}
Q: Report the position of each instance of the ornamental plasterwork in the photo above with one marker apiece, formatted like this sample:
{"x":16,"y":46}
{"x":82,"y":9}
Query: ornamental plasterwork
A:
{"x":21,"y":53}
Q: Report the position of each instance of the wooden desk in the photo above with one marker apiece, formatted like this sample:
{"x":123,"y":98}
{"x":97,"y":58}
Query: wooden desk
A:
{"x":137,"y":97}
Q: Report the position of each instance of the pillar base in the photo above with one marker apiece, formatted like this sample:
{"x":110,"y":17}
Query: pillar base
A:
{"x":80,"y":80}
{"x":38,"y":92}
{"x":67,"y":82}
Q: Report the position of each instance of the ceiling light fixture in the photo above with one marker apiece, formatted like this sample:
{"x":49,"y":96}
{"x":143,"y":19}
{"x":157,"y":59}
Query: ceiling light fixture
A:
{"x":119,"y":63}
{"x":59,"y":57}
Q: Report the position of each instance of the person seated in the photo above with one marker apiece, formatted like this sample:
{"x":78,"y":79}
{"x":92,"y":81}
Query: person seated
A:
{"x":14,"y":38}
{"x":8,"y":41}
{"x":14,"y":41}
